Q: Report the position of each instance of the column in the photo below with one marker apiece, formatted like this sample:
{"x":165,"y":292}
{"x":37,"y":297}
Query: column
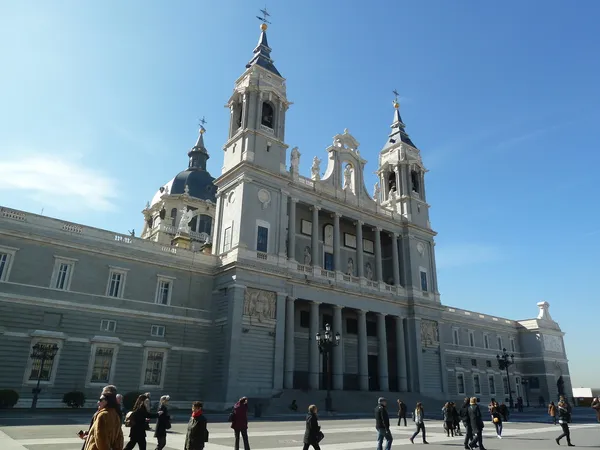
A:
{"x":433,"y":269}
{"x":280,"y":338}
{"x":313,"y":367}
{"x":363,"y":355}
{"x":359,"y":249}
{"x":336,"y":242}
{"x":315,"y":237}
{"x":292,"y":230}
{"x":338,"y":352}
{"x":289,"y":344}
{"x":382,"y":357}
{"x":378,"y":271}
{"x":396,"y":264}
{"x":401,"y":357}
{"x":399,"y":187}
{"x":283,"y":223}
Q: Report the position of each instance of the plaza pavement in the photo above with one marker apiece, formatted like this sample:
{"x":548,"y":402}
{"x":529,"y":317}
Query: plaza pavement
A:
{"x":39,"y":433}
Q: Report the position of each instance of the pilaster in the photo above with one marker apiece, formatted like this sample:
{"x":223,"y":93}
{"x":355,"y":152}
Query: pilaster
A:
{"x":363,"y":354}
{"x":395,"y":263}
{"x":338,"y":352}
{"x":382,"y":358}
{"x":315,"y":237}
{"x":278,"y":363}
{"x":336,"y":242}
{"x":314,"y":371}
{"x":378,"y":269}
{"x":359,"y":249}
{"x":292,"y":230}
{"x":401,"y":356}
{"x":289,"y":344}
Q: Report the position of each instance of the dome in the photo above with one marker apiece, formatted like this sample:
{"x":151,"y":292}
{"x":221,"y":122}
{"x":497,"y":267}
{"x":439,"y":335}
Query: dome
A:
{"x":199,"y":183}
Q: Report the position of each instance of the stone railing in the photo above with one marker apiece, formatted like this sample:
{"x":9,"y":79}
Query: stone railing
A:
{"x":470,"y":315}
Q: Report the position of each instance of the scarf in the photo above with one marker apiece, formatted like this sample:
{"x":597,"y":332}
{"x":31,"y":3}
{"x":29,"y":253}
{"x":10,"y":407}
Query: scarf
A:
{"x":196,"y":414}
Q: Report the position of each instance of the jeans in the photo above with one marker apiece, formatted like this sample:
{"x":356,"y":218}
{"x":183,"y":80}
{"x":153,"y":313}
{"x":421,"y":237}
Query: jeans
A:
{"x":468,"y":436}
{"x":420,"y":428}
{"x":244,"y":437}
{"x":400,"y":417}
{"x":498,"y":426}
{"x":141,"y":442}
{"x":565,"y":434}
{"x":381,"y":434}
{"x":162,"y":442}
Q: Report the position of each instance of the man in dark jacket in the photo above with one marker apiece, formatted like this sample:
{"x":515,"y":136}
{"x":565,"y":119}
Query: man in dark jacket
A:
{"x":382,"y":424}
{"x":197,"y":433}
{"x":401,"y":412}
{"x":239,"y":424}
{"x":476,"y":423}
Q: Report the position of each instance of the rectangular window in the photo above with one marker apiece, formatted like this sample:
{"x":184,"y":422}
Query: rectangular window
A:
{"x":423,"y":281}
{"x":157,"y":331}
{"x":351,"y":326}
{"x":455,"y":337}
{"x":108,"y":325}
{"x":7,"y":255}
{"x":153,"y":371}
{"x":304,"y":319}
{"x":63,"y":272}
{"x":474,"y":362}
{"x":460,"y":383}
{"x":116,"y":283}
{"x":486,"y":341}
{"x":471,"y":339}
{"x":102,"y":364}
{"x":262,"y":239}
{"x":44,"y":373}
{"x":227,"y":239}
{"x":488,"y":364}
{"x":3,"y":265}
{"x":163,"y":291}
{"x":476,"y":385}
{"x":371,"y":328}
{"x":499,"y":343}
{"x":513,"y":347}
{"x":328,"y":261}
{"x":492,"y":384}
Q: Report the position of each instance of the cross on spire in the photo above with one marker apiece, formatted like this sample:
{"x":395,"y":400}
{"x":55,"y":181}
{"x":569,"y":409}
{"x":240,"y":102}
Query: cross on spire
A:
{"x":201,"y":123}
{"x":395,"y":92}
{"x":265,"y":14}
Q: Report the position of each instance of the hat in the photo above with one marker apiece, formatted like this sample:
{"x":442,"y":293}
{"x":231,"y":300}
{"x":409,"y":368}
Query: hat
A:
{"x":165,"y":398}
{"x":381,"y":399}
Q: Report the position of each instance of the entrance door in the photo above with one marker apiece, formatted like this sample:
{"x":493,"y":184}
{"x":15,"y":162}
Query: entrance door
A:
{"x":373,"y":373}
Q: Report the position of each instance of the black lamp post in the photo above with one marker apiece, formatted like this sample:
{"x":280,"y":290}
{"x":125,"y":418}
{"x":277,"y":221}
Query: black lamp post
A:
{"x":43,"y":353}
{"x":504,"y":362}
{"x":525,"y":384}
{"x":326,"y":343}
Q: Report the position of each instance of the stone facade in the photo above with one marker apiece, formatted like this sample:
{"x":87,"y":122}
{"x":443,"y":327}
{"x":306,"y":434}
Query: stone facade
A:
{"x":219,"y":299}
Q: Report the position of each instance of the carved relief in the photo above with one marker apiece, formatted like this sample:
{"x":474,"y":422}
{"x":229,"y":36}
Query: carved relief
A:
{"x":553,"y":343}
{"x":260,"y":305}
{"x":307,"y":256}
{"x":264,"y":197}
{"x":429,"y":333}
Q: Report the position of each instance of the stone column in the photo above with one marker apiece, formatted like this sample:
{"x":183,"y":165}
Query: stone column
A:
{"x":313,"y":368}
{"x":401,"y":356}
{"x":382,"y":357}
{"x":244,"y":111}
{"x":289,"y":344}
{"x":292,"y":230}
{"x":283,"y":223}
{"x":399,"y":187}
{"x":280,"y":338}
{"x":396,"y":264}
{"x":338,"y":352}
{"x":378,"y":271}
{"x":363,"y":355}
{"x":336,"y":242}
{"x":315,"y":237}
{"x":359,"y":249}
{"x":434,"y":287}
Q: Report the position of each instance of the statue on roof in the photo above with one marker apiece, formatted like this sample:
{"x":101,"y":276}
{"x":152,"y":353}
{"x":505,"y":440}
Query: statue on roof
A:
{"x":295,"y":161}
{"x":186,"y":216}
{"x":376,"y":193}
{"x":316,"y":169}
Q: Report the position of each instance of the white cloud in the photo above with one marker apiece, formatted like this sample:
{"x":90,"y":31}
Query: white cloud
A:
{"x":64,"y":183}
{"x":466,"y":254}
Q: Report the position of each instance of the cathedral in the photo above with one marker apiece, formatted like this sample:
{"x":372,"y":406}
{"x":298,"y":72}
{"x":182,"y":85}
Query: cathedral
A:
{"x":262,"y":282}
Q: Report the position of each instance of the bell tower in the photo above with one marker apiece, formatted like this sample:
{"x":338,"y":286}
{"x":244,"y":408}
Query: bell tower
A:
{"x":257,"y":112}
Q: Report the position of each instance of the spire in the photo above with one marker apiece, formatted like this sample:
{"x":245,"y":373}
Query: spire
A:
{"x":398,"y":133}
{"x":198,"y":154}
{"x":262,"y":52}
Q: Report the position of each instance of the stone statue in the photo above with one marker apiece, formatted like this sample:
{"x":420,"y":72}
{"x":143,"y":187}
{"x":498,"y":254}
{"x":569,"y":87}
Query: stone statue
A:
{"x":369,"y":271}
{"x":295,"y":161}
{"x":186,"y":216}
{"x":316,"y":169}
{"x":350,"y":267}
{"x":166,"y":190}
{"x":307,"y":257}
{"x":186,"y":190}
{"x":376,"y":192}
{"x":429,"y":333}
{"x":348,"y":177}
{"x":260,"y":304}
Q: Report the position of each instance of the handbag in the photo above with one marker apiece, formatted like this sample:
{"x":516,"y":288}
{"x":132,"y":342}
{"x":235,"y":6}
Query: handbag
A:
{"x":320,"y":436}
{"x":495,"y":420}
{"x":231,"y":416}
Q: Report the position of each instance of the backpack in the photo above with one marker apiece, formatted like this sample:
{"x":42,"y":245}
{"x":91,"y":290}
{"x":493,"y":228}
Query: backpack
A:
{"x":129,"y":419}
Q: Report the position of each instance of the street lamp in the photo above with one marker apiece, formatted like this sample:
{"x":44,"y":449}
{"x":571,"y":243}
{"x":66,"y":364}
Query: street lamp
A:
{"x":43,"y":353}
{"x":326,"y":343}
{"x":504,"y":362}
{"x":525,"y":384}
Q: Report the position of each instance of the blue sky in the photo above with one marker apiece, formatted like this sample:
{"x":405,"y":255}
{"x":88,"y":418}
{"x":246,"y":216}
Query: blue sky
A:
{"x":100,"y":104}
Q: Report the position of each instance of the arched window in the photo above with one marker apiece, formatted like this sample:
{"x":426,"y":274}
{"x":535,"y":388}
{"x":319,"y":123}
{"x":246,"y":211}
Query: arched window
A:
{"x":392,"y":182}
{"x":267,"y":115}
{"x":237,"y":116}
{"x":205,"y":224}
{"x":174,"y":215}
{"x":414,"y":178}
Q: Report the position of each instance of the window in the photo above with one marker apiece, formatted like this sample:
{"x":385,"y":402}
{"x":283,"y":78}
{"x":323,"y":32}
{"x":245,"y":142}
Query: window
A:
{"x":455,"y":337}
{"x":62,"y":273}
{"x":116,"y":282}
{"x":460,"y":383}
{"x":102,"y":363}
{"x":227,"y":239}
{"x":474,"y":362}
{"x":471,"y":339}
{"x":459,"y":361}
{"x":328,"y":261}
{"x":492,"y":384}
{"x":157,"y":331}
{"x":154,"y":368}
{"x":423,"y":281}
{"x":505,"y":385}
{"x":164,"y":289}
{"x":513,"y":347}
{"x":108,"y":325}
{"x":414,"y":178}
{"x":499,"y":343}
{"x":304,"y":319}
{"x":262,"y":239}
{"x":267,"y":115}
{"x":488,"y":364}
{"x":205,"y":224}
{"x":486,"y":341}
{"x":351,"y":326}
{"x":7,"y":255}
{"x":47,"y":373}
{"x":476,"y":384}
{"x":371,"y":328}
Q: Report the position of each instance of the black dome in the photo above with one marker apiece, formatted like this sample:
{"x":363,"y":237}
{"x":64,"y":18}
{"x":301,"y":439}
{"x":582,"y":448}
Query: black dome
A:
{"x":199,"y":183}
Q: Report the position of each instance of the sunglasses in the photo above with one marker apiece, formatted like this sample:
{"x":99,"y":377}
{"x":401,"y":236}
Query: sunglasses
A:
{"x":102,"y":399}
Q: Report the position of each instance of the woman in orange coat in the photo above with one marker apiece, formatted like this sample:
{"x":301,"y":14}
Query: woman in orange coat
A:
{"x":105,"y":432}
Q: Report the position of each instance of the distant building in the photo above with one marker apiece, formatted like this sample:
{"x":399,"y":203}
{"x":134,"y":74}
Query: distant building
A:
{"x":584,"y":396}
{"x":231,"y":279}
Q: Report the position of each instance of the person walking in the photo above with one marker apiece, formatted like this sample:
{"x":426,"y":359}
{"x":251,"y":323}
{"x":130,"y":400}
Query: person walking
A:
{"x":105,"y":430}
{"x":448,"y":419}
{"x":136,"y":421}
{"x":464,"y":417}
{"x":197,"y":431}
{"x":476,"y":423}
{"x":401,"y":412}
{"x":564,"y":417}
{"x":552,"y":412}
{"x":419,"y":419}
{"x":239,"y":424}
{"x":496,"y":417}
{"x":312,"y":433}
{"x":455,"y":419}
{"x":163,"y":423}
{"x":382,"y":425}
{"x":596,"y":407}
